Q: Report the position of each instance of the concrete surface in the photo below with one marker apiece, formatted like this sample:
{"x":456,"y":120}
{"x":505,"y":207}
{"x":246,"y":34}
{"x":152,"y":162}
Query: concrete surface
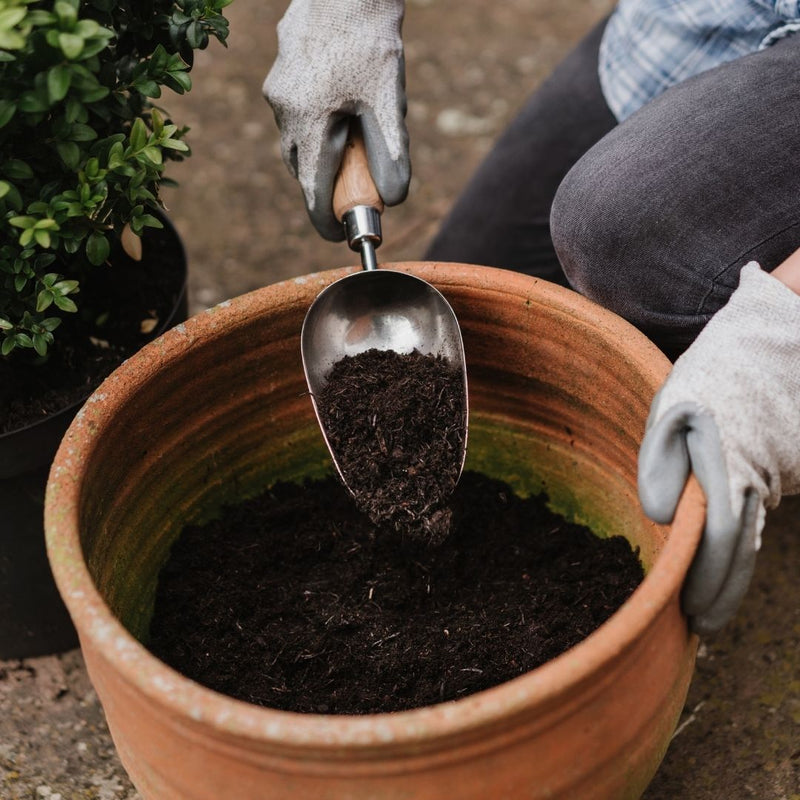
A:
{"x":470,"y":65}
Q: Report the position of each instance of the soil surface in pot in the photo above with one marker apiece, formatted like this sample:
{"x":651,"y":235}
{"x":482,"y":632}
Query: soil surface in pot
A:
{"x":296,"y":601}
{"x":122,"y":305}
{"x":397,"y":424}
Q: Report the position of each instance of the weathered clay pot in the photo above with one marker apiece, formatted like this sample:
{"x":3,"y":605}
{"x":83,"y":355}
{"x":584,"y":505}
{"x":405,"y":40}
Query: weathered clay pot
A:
{"x":33,"y":619}
{"x":217,"y":409}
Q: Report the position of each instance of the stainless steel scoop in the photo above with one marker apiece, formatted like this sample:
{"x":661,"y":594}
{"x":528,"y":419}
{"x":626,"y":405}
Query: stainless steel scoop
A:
{"x":376,"y":308}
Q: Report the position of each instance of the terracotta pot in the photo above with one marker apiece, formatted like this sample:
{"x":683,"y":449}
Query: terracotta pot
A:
{"x":217,"y":408}
{"x":33,"y":619}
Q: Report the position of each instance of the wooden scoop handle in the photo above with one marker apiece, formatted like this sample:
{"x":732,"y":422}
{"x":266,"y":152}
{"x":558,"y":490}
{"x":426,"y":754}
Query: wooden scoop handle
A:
{"x":354,"y":185}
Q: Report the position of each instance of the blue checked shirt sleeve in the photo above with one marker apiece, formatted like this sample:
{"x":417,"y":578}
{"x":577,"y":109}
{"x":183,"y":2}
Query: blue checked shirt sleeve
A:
{"x":650,"y":45}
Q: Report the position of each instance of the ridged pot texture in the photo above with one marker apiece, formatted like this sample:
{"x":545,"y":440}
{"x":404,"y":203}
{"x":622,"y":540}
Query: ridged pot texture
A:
{"x":217,"y":409}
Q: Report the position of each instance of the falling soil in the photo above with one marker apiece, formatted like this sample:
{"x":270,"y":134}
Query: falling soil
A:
{"x":397,"y":423}
{"x":295,"y":601}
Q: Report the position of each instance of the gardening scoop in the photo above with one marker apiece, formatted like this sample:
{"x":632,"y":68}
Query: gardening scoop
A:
{"x":376,"y":308}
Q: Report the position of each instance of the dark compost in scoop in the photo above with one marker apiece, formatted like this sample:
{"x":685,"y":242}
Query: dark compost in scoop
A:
{"x":397,"y":424}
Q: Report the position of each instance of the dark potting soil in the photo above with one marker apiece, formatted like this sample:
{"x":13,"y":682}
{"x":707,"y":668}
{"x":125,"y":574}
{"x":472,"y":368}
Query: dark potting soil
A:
{"x":122,"y":306}
{"x":295,"y":601}
{"x":397,"y":424}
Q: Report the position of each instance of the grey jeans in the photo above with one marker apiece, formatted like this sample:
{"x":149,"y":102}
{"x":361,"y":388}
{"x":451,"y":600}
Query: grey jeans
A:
{"x":654,"y":217}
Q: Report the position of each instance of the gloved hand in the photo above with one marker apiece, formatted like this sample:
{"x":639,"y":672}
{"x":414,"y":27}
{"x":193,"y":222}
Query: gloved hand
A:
{"x":729,"y":412}
{"x":338,"y":59}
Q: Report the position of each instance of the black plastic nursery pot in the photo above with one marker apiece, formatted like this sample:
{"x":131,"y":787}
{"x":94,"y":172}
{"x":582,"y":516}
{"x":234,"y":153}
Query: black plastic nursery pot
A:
{"x":33,"y":619}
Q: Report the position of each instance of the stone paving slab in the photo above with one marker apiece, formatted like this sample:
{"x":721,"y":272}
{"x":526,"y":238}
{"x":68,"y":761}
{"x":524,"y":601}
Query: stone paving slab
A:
{"x":470,"y":65}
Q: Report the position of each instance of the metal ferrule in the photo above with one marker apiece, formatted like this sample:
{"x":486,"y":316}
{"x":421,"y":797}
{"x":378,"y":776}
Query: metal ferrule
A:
{"x":362,"y":223}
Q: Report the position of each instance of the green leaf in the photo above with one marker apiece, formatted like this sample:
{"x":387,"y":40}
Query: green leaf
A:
{"x":87,"y":28}
{"x":40,"y":343}
{"x":182,"y":79}
{"x":159,"y":59}
{"x":23,"y":222}
{"x":51,"y":37}
{"x":32,"y":102}
{"x":5,"y":325}
{"x":44,"y":300}
{"x":58,"y":80}
{"x":95,"y":93}
{"x":13,"y":199}
{"x":125,"y":169}
{"x":66,"y":12}
{"x":71,"y":45}
{"x":11,"y":17}
{"x":150,"y":221}
{"x":147,"y":87}
{"x":7,"y":111}
{"x":46,"y":224}
{"x":70,"y":154}
{"x":17,"y":170}
{"x":42,"y":237}
{"x":116,"y":155}
{"x":64,"y":303}
{"x":92,"y":167}
{"x":39,"y":17}
{"x":175,"y":144}
{"x":97,"y":248}
{"x":51,"y":323}
{"x":138,"y":135}
{"x":44,"y":260}
{"x":82,"y":133}
{"x":11,"y":40}
{"x":157,"y":122}
{"x":5,"y":188}
{"x":73,"y":110}
{"x":153,"y":154}
{"x":8,"y":345}
{"x":91,"y":47}
{"x":196,"y":37}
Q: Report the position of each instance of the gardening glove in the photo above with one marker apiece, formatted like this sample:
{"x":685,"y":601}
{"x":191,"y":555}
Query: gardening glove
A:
{"x":338,"y":59}
{"x":729,"y":412}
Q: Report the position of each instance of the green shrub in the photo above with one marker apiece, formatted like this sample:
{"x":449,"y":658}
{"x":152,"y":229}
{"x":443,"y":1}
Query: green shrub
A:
{"x":83,"y":144}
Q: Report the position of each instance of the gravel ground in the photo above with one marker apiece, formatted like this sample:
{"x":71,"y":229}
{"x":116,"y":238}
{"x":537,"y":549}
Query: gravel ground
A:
{"x":470,"y":65}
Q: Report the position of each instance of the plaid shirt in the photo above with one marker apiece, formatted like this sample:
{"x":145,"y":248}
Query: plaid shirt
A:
{"x":650,"y":45}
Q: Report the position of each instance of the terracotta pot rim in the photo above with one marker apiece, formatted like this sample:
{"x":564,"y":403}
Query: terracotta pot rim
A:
{"x":429,"y":724}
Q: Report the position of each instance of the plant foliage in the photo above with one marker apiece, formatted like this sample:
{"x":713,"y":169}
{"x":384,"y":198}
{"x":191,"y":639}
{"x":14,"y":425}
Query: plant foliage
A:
{"x":83,"y":144}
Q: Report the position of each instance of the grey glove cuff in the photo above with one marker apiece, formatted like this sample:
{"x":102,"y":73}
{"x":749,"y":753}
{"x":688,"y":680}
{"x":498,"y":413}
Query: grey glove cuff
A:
{"x":744,"y":369}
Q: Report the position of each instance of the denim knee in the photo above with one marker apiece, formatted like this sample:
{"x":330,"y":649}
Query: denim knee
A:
{"x":588,"y":230}
{"x":619,"y":230}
